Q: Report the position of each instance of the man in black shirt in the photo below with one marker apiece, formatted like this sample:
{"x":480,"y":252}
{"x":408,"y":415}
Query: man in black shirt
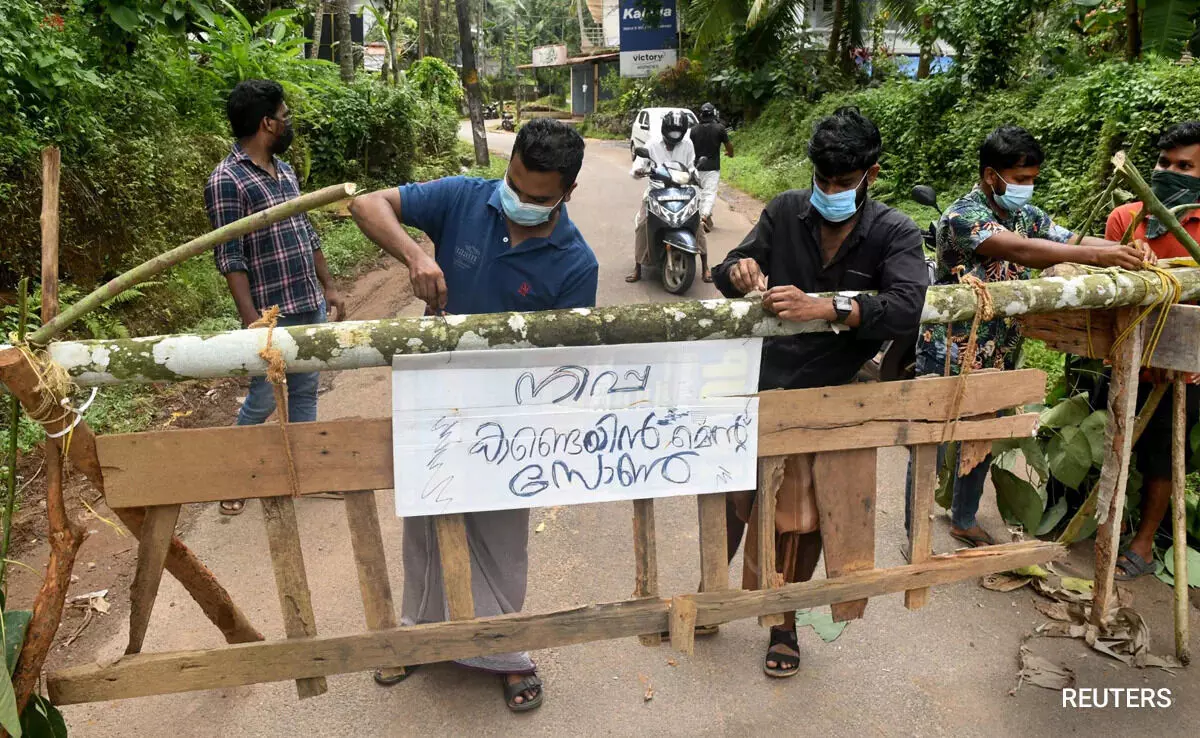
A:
{"x":831,"y":238}
{"x":708,"y":137}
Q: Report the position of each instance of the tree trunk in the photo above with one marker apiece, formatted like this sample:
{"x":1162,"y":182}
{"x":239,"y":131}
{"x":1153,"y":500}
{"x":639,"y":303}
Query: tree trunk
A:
{"x":1133,"y":31}
{"x":345,"y":46}
{"x":318,"y":23}
{"x":470,"y":78}
{"x":925,"y":61}
{"x":421,"y":24}
{"x":393,"y":34}
{"x":835,"y":32}
{"x":435,"y":20}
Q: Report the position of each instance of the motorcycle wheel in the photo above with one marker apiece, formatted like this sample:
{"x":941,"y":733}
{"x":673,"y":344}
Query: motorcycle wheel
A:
{"x":678,"y":272}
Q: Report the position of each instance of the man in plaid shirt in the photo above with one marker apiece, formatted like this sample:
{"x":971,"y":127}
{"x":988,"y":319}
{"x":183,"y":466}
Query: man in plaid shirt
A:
{"x":281,"y":265}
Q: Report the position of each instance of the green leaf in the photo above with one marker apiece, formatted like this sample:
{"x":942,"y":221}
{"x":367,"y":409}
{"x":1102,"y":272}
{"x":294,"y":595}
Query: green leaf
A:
{"x":203,"y":11}
{"x":15,"y":623}
{"x":125,"y":17}
{"x":822,"y":622}
{"x":1053,"y":517}
{"x":1082,"y":586}
{"x":9,"y":718}
{"x":1193,"y":564}
{"x":1070,"y":457}
{"x":42,"y":719}
{"x":1066,"y":413}
{"x":1167,"y":25}
{"x":945,"y":491}
{"x":1093,"y":427}
{"x":1019,"y":501}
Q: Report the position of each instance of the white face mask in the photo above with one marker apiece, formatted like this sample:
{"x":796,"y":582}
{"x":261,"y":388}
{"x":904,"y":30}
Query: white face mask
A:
{"x":524,"y":213}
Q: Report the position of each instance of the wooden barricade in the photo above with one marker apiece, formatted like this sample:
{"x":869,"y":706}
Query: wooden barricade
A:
{"x":355,"y":456}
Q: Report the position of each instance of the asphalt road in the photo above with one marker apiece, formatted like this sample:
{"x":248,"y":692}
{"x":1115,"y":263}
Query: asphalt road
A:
{"x":944,"y":670}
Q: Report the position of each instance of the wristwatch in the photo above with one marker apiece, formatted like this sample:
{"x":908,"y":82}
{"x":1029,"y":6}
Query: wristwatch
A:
{"x":843,"y":305}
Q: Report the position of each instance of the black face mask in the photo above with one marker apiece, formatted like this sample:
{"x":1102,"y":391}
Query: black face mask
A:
{"x":283,"y":140}
{"x":1173,"y":189}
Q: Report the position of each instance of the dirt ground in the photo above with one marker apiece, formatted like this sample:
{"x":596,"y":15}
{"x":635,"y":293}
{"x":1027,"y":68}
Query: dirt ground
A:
{"x":945,"y":670}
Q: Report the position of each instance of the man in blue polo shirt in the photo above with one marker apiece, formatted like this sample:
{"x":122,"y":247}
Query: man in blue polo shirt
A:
{"x":500,"y":245}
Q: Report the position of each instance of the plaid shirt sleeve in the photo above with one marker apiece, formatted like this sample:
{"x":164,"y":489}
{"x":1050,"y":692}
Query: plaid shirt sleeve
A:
{"x":224,"y":203}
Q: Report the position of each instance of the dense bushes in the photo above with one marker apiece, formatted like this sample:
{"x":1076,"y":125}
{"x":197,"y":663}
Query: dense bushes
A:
{"x":932,"y":129}
{"x":140,"y":135}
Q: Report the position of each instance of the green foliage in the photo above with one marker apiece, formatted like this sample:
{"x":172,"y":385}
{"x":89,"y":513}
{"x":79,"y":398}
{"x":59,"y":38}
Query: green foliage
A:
{"x":42,"y":719}
{"x":346,"y":249}
{"x":1169,"y":25}
{"x":436,"y":80}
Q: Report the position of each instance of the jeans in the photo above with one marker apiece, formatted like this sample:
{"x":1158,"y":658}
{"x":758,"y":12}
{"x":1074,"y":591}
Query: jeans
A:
{"x":302,"y":388}
{"x":968,"y":491}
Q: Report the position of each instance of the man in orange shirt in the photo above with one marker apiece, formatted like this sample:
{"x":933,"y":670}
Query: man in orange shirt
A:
{"x":1175,"y":181}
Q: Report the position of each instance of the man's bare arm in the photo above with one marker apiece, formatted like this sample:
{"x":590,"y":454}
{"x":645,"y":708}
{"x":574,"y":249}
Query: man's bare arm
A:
{"x":378,"y":216}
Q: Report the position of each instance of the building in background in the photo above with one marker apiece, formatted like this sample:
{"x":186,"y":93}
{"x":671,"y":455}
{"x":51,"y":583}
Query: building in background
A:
{"x":817,"y":16}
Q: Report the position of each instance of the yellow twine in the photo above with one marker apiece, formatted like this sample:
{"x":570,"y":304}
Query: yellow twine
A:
{"x":1171,"y":290}
{"x":984,"y":310}
{"x":277,"y":376}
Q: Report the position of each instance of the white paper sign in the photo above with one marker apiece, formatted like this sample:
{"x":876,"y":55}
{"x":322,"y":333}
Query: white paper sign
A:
{"x":497,"y":430}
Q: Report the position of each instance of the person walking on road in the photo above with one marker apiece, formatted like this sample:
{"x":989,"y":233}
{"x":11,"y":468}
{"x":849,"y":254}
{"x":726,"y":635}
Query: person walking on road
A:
{"x":499,"y":246}
{"x":278,"y":266}
{"x":708,"y":138}
{"x":829,"y":238}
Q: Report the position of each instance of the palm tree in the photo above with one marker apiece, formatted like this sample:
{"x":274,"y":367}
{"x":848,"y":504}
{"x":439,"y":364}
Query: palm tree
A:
{"x":915,"y":19}
{"x":470,"y":77}
{"x":345,"y":45}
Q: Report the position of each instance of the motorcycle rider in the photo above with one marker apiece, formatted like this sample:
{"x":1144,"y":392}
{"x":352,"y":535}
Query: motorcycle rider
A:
{"x":708,"y":138}
{"x":673,"y":144}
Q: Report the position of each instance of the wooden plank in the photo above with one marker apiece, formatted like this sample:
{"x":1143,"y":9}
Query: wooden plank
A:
{"x":291,"y":582}
{"x":1068,"y":331}
{"x":354,"y":454}
{"x":645,"y":558}
{"x":157,"y":531}
{"x":770,"y":476}
{"x":366,"y":539}
{"x":714,"y":544}
{"x":882,"y":434}
{"x":164,"y":673}
{"x":682,"y":625}
{"x":920,"y":528}
{"x":1114,"y":474}
{"x":1179,"y":441}
{"x":1178,"y":347}
{"x":456,"y":565}
{"x":845,"y":490}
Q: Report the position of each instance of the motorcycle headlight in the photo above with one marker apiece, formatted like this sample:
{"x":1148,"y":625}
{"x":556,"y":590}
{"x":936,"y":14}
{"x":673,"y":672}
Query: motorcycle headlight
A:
{"x":680,"y":177}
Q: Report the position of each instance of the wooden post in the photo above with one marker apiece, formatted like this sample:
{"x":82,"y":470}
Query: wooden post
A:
{"x":714,"y":546}
{"x":924,"y":488}
{"x":844,"y":485}
{"x":456,"y":565}
{"x":682,"y":624}
{"x":1179,"y":518}
{"x":770,"y":476}
{"x":366,"y":539}
{"x":157,"y":532}
{"x":66,"y":536}
{"x":1122,"y":404}
{"x":291,"y":582}
{"x":645,"y":557}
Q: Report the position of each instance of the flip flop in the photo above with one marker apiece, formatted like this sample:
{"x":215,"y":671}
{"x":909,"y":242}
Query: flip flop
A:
{"x":786,"y":665}
{"x":232,"y":507}
{"x":391,"y":680}
{"x":527,"y":683}
{"x":974,"y":540}
{"x":1132,"y":566}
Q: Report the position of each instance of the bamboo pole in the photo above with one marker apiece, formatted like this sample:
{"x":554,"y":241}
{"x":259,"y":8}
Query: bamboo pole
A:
{"x":162,"y":262}
{"x":1179,"y":518}
{"x":66,"y":536}
{"x":360,"y":344}
{"x":1151,"y":203}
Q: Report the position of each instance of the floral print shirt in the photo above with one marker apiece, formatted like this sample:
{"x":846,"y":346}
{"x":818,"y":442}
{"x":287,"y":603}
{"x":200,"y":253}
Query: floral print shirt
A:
{"x":966,"y":224}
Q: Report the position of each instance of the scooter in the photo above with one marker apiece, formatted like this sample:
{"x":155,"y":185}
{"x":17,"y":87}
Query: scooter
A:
{"x":506,"y":121}
{"x":672,"y":219}
{"x":491,"y":111}
{"x":898,"y":359}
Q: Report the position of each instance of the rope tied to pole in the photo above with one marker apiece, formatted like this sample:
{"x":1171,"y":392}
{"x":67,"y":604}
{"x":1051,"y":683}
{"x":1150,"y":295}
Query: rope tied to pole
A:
{"x":277,"y":376}
{"x":984,"y":310}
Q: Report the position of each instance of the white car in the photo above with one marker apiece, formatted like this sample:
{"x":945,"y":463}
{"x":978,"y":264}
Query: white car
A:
{"x":647,"y":123}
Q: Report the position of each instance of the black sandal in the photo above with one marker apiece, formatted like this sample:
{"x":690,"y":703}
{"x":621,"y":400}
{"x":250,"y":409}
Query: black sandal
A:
{"x":786,"y":664}
{"x":528,"y":683}
{"x":392,"y":679}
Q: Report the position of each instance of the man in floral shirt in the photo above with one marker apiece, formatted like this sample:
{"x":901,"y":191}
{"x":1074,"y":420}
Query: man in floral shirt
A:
{"x":993,"y":233}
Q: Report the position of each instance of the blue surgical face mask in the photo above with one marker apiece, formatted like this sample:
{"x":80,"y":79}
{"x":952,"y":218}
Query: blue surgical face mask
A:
{"x":523,"y":213}
{"x":839,"y":207}
{"x":1015,"y":196}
